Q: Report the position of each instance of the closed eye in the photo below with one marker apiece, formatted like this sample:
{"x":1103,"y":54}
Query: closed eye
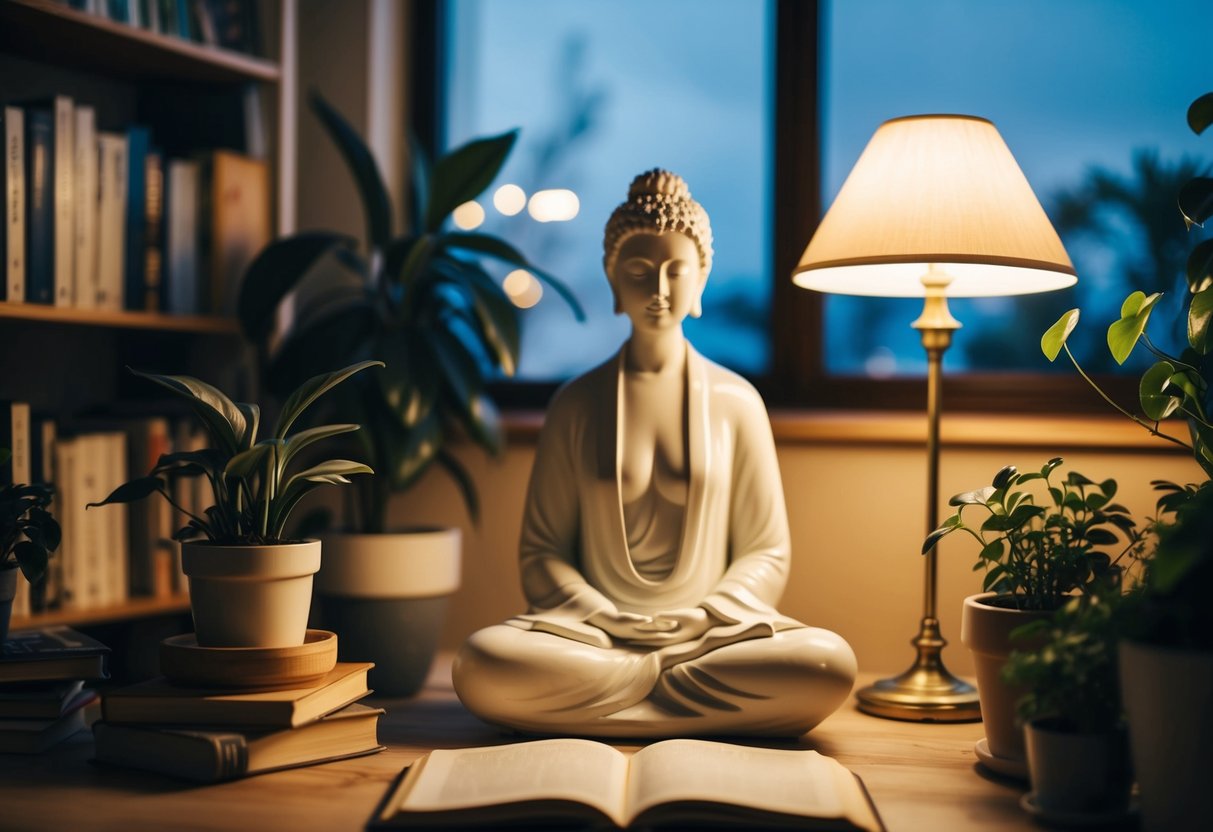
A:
{"x":637,"y":267}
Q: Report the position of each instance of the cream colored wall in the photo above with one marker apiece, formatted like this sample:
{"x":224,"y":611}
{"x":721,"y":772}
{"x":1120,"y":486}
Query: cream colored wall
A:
{"x":857,"y":517}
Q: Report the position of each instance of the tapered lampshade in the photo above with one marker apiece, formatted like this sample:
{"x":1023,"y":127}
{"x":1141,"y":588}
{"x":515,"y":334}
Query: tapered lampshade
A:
{"x":942,"y":190}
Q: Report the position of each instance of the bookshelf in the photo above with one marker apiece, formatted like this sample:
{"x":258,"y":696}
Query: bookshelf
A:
{"x":195,"y":97}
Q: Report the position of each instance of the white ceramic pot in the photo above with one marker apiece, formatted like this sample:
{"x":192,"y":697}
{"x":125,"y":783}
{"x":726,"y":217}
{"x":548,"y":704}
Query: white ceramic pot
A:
{"x":986,"y":630}
{"x":385,"y":595}
{"x":250,"y":596}
{"x":1168,"y":696}
{"x":1079,"y":774}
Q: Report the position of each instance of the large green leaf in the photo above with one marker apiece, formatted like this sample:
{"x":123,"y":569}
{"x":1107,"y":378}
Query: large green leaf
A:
{"x":132,"y":491}
{"x":32,"y":559}
{"x":1196,"y":200}
{"x":276,"y":271}
{"x":501,"y":250}
{"x":318,"y":344}
{"x":1199,"y":269}
{"x":252,"y":421}
{"x":419,"y":182}
{"x":305,"y":438}
{"x":467,"y":485}
{"x":222,"y":418}
{"x":364,"y":169}
{"x":496,"y":315}
{"x":413,"y":452}
{"x":324,"y":471}
{"x":463,"y":173}
{"x":1199,"y":314}
{"x":247,"y":464}
{"x":1156,"y":402}
{"x":1056,"y":335}
{"x":1200,"y":113}
{"x":312,"y":389}
{"x":410,"y":382}
{"x":1134,"y":314}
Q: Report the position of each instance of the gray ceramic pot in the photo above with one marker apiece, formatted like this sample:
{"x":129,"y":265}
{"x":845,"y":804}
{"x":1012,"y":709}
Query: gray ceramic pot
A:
{"x":385,"y":596}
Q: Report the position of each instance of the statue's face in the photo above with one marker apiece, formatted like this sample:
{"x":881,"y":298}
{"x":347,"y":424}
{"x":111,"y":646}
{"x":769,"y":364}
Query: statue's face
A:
{"x":657,"y":279}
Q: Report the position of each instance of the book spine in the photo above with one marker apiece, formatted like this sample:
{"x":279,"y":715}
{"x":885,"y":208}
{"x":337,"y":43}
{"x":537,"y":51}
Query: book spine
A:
{"x":117,"y":521}
{"x":67,"y":573}
{"x":138,"y":146}
{"x":182,"y":237}
{"x":85,"y":276}
{"x":65,"y":214}
{"x":231,"y":756}
{"x":153,"y":234}
{"x":15,"y":435}
{"x":39,"y":206}
{"x":43,"y":432}
{"x":90,"y":525}
{"x":111,"y":220}
{"x":12,"y":238}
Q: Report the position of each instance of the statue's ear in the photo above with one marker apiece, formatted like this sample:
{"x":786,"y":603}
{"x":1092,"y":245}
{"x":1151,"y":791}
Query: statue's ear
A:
{"x":696,"y":310}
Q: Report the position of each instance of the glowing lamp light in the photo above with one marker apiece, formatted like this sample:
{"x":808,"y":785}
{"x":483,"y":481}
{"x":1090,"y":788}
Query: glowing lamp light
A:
{"x":469,"y":215}
{"x":509,"y":199}
{"x":523,"y":290}
{"x":555,"y":205}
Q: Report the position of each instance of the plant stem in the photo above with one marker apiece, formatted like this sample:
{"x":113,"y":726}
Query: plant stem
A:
{"x":1152,"y":429}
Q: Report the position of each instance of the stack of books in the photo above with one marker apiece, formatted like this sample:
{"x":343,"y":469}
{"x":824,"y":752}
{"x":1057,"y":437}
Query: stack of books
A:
{"x":42,"y":693}
{"x":208,"y":735}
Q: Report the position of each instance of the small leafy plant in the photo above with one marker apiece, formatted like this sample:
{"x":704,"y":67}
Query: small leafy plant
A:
{"x":254,"y":488}
{"x":421,"y":300}
{"x":1174,"y":385}
{"x":1035,"y":554}
{"x":28,"y":531}
{"x":1073,"y":675}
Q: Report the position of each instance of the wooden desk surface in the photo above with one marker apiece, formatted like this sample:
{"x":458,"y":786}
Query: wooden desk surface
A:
{"x":921,"y":777}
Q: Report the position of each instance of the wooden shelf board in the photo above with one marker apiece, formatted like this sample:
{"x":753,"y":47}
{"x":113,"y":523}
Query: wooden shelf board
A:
{"x":48,"y":31}
{"x":134,"y":608}
{"x":157,"y":321}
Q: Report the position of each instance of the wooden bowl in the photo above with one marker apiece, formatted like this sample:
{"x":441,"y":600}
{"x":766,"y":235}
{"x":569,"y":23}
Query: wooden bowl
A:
{"x":183,"y":662}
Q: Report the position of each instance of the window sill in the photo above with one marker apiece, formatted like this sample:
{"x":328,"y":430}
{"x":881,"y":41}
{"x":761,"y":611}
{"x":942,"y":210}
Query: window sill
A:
{"x":961,"y":430}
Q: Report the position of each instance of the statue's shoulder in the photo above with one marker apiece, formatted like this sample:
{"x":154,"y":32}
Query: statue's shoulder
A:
{"x":729,"y":386}
{"x":585,"y":394}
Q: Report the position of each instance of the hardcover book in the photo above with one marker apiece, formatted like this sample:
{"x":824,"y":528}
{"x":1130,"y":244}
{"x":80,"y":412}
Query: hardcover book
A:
{"x":157,"y":701}
{"x":683,"y":783}
{"x":39,"y":205}
{"x":111,"y":220}
{"x":212,"y":756}
{"x":235,"y":222}
{"x":40,"y":700}
{"x":33,"y":736}
{"x":12,"y":214}
{"x":84,"y":292}
{"x":50,"y":653}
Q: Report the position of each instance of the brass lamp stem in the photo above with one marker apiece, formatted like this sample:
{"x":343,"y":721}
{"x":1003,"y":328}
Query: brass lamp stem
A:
{"x":927,"y":692}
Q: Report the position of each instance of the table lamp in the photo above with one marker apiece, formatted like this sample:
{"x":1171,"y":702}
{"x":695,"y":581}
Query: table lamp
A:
{"x":935,"y":207}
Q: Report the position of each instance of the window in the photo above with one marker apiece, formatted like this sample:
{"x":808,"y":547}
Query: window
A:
{"x":602,"y":92}
{"x":1089,"y":94}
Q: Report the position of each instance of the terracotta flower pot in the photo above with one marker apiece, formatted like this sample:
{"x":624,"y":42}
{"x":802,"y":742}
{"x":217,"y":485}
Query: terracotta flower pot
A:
{"x":1168,"y":695}
{"x":385,"y":595}
{"x":250,"y":596}
{"x":986,"y":630}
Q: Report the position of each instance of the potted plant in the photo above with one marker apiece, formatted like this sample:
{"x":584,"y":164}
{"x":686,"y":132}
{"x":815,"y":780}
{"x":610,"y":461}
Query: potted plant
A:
{"x":1074,"y":731}
{"x":423,"y":302}
{"x":250,"y":583}
{"x":28,"y":534}
{"x":1166,"y":669}
{"x":1034,"y":556}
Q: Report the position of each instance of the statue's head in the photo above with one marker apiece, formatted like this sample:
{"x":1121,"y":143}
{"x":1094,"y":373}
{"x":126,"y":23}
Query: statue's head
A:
{"x":657,"y":249}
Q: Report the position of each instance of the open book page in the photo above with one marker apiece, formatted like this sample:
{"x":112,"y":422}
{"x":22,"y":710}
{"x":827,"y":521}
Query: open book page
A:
{"x":791,"y":782}
{"x":544,"y":770}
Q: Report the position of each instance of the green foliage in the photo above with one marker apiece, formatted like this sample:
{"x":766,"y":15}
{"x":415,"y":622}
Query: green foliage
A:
{"x":28,"y":532}
{"x":422,"y":301}
{"x":1173,"y":606}
{"x":1175,"y":384}
{"x":253,"y":482}
{"x":1073,"y":675}
{"x":1035,"y":554}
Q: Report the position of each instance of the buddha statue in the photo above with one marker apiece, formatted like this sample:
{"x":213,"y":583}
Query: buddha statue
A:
{"x":655,"y":539}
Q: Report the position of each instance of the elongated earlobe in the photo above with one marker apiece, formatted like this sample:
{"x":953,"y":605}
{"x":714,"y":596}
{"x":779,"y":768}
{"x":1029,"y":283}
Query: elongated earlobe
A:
{"x":696,"y":309}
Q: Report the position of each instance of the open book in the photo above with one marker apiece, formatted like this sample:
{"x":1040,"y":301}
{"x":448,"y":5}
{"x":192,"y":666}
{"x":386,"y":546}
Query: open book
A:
{"x":676,"y":782}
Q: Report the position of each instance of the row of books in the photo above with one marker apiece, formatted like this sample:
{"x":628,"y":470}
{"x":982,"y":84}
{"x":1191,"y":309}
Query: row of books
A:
{"x":101,"y":219}
{"x":111,"y":553}
{"x":230,"y":24}
{"x":42,"y":693}
{"x":207,"y":736}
